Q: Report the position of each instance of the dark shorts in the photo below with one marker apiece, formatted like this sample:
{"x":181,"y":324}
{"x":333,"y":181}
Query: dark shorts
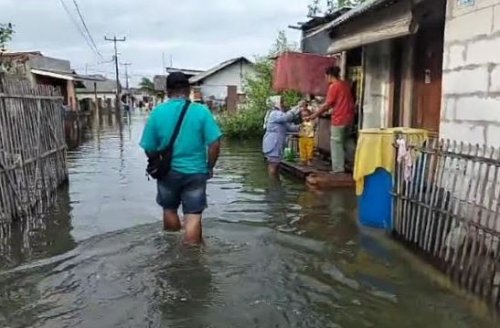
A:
{"x":186,"y":189}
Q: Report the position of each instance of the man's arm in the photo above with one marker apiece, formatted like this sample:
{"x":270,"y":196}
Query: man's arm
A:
{"x":213,"y":155}
{"x":149,"y":141}
{"x":331,"y":98}
{"x":212,"y":135}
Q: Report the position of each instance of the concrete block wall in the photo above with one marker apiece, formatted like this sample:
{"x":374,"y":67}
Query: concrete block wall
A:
{"x":471,"y":72}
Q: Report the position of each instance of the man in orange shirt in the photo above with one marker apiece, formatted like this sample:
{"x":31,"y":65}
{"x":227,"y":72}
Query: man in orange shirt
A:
{"x":339,"y":99}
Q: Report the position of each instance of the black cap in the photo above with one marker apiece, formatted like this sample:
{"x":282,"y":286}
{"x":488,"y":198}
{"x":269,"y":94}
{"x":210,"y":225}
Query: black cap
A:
{"x":177,"y":80}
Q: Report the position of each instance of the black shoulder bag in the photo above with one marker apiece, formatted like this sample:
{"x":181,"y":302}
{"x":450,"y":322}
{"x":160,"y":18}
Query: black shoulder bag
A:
{"x":159,"y":163}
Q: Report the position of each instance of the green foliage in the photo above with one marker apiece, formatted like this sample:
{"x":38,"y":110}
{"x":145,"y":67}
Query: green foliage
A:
{"x":258,"y":88}
{"x":147,"y":85}
{"x":315,"y":8}
{"x":6,"y":32}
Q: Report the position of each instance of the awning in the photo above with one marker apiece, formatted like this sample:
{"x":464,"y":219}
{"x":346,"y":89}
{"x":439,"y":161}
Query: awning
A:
{"x":399,"y":24}
{"x":370,"y":22}
{"x":59,"y":76}
{"x":65,"y":75}
{"x":357,"y":11}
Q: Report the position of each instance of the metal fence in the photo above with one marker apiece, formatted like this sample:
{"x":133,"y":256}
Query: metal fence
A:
{"x":446,"y":204}
{"x":32,"y":148}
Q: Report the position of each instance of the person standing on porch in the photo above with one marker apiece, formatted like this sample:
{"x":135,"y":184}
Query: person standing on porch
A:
{"x":339,"y":99}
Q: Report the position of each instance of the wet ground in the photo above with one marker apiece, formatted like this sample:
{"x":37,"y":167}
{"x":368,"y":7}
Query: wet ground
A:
{"x":275,"y":255}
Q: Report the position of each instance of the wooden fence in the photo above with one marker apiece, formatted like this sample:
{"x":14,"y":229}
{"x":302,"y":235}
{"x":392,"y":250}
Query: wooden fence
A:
{"x":32,"y":148}
{"x":447,"y":205}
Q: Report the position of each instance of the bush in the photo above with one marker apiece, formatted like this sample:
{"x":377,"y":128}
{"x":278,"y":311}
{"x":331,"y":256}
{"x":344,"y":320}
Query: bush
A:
{"x":248,"y":121}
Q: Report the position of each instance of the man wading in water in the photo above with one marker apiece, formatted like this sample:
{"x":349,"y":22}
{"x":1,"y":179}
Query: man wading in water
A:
{"x":194,"y":155}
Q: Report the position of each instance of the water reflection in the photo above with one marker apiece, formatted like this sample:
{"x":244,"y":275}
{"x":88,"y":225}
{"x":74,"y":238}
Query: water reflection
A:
{"x":276,"y":255}
{"x":33,"y":239}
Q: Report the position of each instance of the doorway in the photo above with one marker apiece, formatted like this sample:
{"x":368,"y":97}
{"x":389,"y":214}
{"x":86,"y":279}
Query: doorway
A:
{"x":428,"y":78}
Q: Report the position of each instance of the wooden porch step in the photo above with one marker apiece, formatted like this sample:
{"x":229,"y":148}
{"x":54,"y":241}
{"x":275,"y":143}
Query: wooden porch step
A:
{"x":318,"y":175}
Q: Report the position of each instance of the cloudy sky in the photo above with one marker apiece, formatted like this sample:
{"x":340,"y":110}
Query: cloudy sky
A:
{"x":195,"y":33}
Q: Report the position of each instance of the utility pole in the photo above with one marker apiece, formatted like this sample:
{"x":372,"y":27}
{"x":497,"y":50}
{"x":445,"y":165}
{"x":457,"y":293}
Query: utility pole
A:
{"x":126,"y":81}
{"x":118,"y":88}
{"x":126,"y":74}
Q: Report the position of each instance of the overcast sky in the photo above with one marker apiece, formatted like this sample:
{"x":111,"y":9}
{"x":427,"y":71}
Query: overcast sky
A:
{"x":196,"y":33}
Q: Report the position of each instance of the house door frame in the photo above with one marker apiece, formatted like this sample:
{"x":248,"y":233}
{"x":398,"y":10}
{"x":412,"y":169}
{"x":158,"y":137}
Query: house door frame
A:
{"x":428,"y":75}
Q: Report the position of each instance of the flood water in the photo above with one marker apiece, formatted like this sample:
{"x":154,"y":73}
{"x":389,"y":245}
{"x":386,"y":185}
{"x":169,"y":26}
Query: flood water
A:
{"x":275,"y":255}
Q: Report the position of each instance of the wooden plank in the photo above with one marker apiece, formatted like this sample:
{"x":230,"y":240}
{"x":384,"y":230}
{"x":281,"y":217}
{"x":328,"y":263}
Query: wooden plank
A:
{"x":32,"y":150}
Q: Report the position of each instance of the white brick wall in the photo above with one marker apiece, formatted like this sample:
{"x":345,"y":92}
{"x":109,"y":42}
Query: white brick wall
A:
{"x":483,"y":51}
{"x":466,"y":81}
{"x":495,"y":79}
{"x":496,"y":16}
{"x":470,"y":25}
{"x":448,"y":111}
{"x":456,"y":56}
{"x":478,"y":109}
{"x":493,"y":135}
{"x":466,"y":132}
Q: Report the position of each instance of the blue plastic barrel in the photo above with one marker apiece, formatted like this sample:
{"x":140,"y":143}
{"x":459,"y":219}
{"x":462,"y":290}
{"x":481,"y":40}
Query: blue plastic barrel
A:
{"x":375,"y":204}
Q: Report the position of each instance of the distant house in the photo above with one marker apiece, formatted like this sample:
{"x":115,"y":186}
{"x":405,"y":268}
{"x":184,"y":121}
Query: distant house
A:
{"x":223,"y":80}
{"x":42,"y":70}
{"x":97,"y":90}
{"x":160,"y":81}
{"x":188,"y":72}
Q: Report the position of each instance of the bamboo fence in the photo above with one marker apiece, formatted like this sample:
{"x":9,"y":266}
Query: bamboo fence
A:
{"x":32,"y":148}
{"x":448,"y":208}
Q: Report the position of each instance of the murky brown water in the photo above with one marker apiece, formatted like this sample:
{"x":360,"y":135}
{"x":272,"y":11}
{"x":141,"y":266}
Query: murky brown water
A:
{"x":275,"y":255}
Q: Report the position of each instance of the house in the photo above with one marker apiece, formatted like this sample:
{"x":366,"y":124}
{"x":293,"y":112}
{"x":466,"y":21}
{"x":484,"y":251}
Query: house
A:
{"x":428,"y":64}
{"x":102,"y":90}
{"x":188,"y":72}
{"x":224,"y":82}
{"x":394,"y":49}
{"x":42,"y":70}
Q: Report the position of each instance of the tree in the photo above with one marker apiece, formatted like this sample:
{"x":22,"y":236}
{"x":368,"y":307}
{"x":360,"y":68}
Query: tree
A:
{"x":6,"y":32}
{"x":147,"y":85}
{"x":315,"y":8}
{"x":258,"y":88}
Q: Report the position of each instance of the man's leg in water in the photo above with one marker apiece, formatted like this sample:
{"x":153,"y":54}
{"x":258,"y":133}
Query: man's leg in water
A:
{"x":169,"y":198}
{"x":194,"y":233}
{"x":194,"y":202}
{"x":171,"y":221}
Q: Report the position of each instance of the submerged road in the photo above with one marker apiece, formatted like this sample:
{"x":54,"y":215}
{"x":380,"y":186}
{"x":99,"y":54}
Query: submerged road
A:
{"x":275,"y":255}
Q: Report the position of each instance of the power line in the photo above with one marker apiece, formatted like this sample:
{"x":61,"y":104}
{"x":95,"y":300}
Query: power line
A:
{"x":75,"y":23}
{"x":117,"y":74}
{"x":86,"y":28}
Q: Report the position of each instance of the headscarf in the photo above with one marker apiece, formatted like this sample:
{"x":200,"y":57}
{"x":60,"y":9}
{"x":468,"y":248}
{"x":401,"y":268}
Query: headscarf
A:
{"x":274,"y":102}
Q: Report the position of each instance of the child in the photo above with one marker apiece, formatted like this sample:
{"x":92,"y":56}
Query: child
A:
{"x":306,"y":138}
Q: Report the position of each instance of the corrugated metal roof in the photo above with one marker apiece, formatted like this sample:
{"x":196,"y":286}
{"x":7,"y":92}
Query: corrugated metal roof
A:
{"x":200,"y":77}
{"x":103,"y":85}
{"x":356,"y":11}
{"x":186,"y":71}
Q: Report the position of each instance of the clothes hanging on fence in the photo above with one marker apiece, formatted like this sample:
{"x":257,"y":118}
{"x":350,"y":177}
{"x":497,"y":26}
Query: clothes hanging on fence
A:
{"x":304,"y":73}
{"x":376,"y":150}
{"x":405,"y":158}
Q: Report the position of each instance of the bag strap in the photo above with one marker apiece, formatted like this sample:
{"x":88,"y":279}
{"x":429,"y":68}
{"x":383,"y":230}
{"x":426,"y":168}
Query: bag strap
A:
{"x":178,"y":126}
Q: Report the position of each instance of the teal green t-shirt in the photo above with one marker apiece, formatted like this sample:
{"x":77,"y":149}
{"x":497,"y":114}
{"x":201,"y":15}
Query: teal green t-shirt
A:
{"x":198,"y":131}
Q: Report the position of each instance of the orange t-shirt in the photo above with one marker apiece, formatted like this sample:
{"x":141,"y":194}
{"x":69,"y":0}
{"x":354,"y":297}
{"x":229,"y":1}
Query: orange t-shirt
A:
{"x":339,"y":98}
